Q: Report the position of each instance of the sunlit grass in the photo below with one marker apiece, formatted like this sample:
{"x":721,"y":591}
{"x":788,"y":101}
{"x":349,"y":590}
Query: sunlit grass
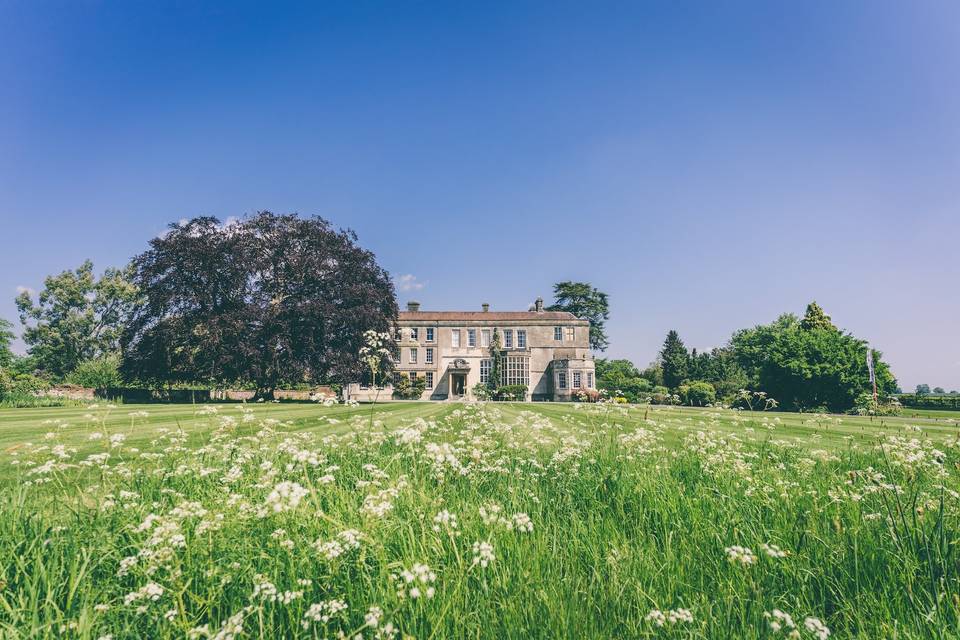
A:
{"x":449,"y":520}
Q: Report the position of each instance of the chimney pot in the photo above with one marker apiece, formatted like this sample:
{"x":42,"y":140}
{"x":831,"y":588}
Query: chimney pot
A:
{"x":413,"y":305}
{"x":485,"y":306}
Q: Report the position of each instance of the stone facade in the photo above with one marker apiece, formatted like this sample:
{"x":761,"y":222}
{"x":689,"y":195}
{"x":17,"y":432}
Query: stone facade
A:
{"x":548,"y":351}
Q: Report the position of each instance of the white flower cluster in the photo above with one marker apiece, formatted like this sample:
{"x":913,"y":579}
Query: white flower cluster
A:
{"x":345,"y":541}
{"x":670,"y":617}
{"x":482,"y":554}
{"x":416,"y":582}
{"x":150,"y":592}
{"x":322,"y":612}
{"x":774,"y":551}
{"x":446,"y":521}
{"x":740,"y":555}
{"x":285,"y":496}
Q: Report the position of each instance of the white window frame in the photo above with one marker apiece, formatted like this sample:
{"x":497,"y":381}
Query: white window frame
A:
{"x":455,"y":338}
{"x":414,"y":333}
{"x":577,"y":380}
{"x":508,"y":338}
{"x":430,"y":334}
{"x":429,"y":380}
{"x":413,"y":355}
{"x":521,"y":338}
{"x":428,"y":356}
{"x":485,"y":337}
{"x":413,"y":376}
{"x":569,"y":334}
{"x":589,"y":379}
{"x":561,"y":379}
{"x":471,"y":338}
{"x":558,"y":334}
{"x":485,"y":365}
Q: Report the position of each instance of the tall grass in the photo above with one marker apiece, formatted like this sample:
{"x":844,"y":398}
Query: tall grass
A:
{"x":594,"y":524}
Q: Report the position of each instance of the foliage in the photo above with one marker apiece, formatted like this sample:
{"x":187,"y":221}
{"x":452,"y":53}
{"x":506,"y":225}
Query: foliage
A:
{"x":585,"y":302}
{"x":6,"y":338}
{"x":808,"y":368}
{"x":816,"y":318}
{"x":621,"y":377}
{"x":718,"y":367}
{"x":269,"y":299}
{"x":496,"y":363}
{"x":481,"y":391}
{"x":697,"y":394}
{"x":674,"y":359}
{"x":512,"y":392}
{"x":97,"y":373}
{"x":653,"y":373}
{"x":76,"y":317}
{"x":406,"y":389}
{"x":865,"y":405}
{"x":923,"y":390}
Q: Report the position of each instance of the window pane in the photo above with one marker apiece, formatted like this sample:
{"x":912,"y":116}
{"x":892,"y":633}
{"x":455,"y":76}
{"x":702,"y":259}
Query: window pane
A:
{"x":414,"y":333}
{"x":413,"y":355}
{"x":558,"y":333}
{"x":576,"y":379}
{"x":455,"y":337}
{"x":429,"y":379}
{"x":569,"y":333}
{"x":429,"y":359}
{"x":485,"y":338}
{"x":521,"y":339}
{"x":508,"y":338}
{"x":429,"y":334}
{"x":471,"y":337}
{"x":485,"y":366}
{"x":562,"y":380}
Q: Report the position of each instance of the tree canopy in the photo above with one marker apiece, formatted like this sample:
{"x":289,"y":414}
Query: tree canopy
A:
{"x":6,"y":339}
{"x":76,"y":317}
{"x":588,"y":303}
{"x":809,"y":364}
{"x":269,"y":299}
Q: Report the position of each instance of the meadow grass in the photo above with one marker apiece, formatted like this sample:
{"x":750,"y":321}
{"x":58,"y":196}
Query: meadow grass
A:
{"x":475,"y":521}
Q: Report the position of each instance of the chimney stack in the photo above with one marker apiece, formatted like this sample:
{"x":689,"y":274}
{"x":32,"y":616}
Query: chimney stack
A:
{"x":413,"y":305}
{"x":485,"y":306}
{"x":538,"y":305}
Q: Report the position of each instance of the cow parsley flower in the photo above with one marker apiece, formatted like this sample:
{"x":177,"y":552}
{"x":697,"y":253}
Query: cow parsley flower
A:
{"x":740,"y":555}
{"x":817,"y":628}
{"x":482,"y":554}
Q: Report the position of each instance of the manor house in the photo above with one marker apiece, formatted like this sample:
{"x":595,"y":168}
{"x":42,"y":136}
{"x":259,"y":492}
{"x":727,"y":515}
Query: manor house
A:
{"x":548,"y":351}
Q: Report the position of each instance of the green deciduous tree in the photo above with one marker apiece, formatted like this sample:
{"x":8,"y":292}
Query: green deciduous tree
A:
{"x":76,"y":317}
{"x":675,"y":360}
{"x":621,"y":376}
{"x":808,"y":365}
{"x":585,"y":302}
{"x":6,"y":339}
{"x":270,"y":299}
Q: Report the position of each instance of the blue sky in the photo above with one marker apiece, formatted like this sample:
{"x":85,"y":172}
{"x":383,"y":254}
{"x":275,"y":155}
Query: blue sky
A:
{"x":708,"y":165}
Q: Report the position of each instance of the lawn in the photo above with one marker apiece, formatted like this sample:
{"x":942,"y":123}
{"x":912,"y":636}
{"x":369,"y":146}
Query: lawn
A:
{"x":476,"y":520}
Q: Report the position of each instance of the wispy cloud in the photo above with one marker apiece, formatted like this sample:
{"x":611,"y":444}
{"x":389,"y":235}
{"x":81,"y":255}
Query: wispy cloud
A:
{"x":23,"y":289}
{"x":408,"y":282}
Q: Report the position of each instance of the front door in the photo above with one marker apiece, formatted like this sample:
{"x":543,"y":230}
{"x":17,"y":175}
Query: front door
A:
{"x":459,"y":383}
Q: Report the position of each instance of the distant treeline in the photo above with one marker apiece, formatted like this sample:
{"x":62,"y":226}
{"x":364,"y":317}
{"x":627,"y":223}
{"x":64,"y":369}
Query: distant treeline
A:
{"x":949,"y":402}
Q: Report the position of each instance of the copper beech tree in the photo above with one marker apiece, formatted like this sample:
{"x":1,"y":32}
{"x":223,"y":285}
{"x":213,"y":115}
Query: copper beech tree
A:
{"x":267,"y":300}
